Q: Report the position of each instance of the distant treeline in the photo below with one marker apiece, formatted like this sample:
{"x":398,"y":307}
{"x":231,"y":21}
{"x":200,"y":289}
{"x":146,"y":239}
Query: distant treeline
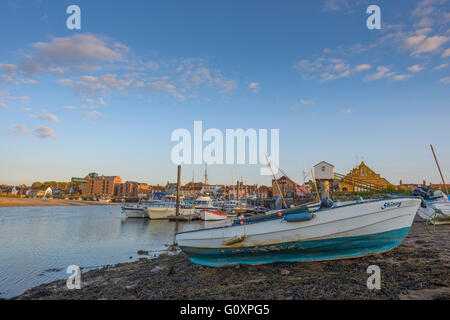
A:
{"x":54,"y":184}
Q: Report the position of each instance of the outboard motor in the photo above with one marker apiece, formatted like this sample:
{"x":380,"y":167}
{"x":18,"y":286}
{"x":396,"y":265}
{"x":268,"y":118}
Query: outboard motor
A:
{"x":422,"y":192}
{"x":326,"y":203}
{"x":438,"y":194}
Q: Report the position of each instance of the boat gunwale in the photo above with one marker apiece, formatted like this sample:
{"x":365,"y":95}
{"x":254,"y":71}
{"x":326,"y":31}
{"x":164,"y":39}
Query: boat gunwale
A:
{"x":314,"y":212}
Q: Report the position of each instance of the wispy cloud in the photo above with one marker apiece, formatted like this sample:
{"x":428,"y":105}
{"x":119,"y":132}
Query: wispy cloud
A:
{"x":307,"y":102}
{"x":382,"y":72}
{"x":347,"y":111}
{"x":440,"y":67}
{"x":45,"y":133}
{"x":445,"y":80}
{"x":446,"y":53}
{"x":254,"y":86}
{"x":422,"y":44}
{"x":19,"y":129}
{"x":401,"y":77}
{"x":77,"y":53}
{"x":46,"y":116}
{"x":94,"y":114}
{"x":328,"y":68}
{"x":416,"y":68}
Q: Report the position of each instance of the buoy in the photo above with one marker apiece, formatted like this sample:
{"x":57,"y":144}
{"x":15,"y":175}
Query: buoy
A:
{"x":242,"y":222}
{"x":280,"y":214}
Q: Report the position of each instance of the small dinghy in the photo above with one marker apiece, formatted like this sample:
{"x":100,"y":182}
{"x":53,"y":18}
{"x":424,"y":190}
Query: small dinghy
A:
{"x":213,"y":215}
{"x":300,"y":234}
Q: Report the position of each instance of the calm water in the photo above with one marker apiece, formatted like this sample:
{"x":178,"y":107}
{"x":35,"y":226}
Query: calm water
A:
{"x":38,"y":244}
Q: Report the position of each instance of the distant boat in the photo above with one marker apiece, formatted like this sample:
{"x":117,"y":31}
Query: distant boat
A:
{"x":204,"y":203}
{"x":213,"y":215}
{"x":298,"y":234}
{"x":165,"y":210}
{"x":134,"y":211}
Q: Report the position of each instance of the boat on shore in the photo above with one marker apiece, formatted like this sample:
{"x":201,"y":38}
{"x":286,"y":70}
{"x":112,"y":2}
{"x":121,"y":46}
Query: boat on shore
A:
{"x":299,"y":234}
{"x":435,"y":207}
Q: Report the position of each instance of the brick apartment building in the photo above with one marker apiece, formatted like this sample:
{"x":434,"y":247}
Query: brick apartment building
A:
{"x":96,"y":185}
{"x":133,"y":189}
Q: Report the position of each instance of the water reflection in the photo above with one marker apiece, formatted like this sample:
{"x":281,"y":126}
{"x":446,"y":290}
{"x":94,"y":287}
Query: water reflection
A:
{"x":38,"y":244}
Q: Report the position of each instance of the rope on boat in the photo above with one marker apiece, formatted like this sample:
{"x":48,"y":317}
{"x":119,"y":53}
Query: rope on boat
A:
{"x":432,"y":220}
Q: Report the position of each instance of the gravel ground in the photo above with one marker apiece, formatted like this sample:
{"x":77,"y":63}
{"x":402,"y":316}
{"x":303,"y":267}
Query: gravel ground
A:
{"x":417,"y":269}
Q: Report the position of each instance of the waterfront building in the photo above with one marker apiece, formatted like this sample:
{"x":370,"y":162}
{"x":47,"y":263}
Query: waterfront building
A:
{"x":287,"y":187}
{"x":362,"y":178}
{"x":104,"y":186}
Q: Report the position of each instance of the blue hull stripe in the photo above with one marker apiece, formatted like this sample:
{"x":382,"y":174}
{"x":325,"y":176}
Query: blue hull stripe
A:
{"x":312,"y":250}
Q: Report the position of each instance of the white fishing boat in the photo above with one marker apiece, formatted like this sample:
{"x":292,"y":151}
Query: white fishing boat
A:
{"x":203,"y":203}
{"x":298,"y":234}
{"x":165,"y":210}
{"x":134,"y":211}
{"x":436,"y":209}
{"x":213,"y":215}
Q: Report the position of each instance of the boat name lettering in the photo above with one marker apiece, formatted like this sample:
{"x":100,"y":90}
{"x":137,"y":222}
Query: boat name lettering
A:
{"x":391,"y":205}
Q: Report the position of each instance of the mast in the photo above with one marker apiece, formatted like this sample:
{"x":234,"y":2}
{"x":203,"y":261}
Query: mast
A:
{"x":232,"y":183}
{"x":439,"y":168}
{"x":276,"y":182}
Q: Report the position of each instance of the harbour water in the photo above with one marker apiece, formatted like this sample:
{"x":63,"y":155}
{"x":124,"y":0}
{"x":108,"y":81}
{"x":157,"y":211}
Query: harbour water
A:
{"x":37,"y":244}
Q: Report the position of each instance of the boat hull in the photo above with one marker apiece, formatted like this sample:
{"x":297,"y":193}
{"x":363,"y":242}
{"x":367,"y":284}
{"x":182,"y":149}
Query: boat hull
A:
{"x":347,"y":231}
{"x":315,"y":250}
{"x":162,"y":213}
{"x":135,"y":213}
{"x":207,"y":215}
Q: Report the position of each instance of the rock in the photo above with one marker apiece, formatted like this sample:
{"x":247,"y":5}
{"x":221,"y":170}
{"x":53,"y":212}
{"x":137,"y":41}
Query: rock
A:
{"x":142,"y":253}
{"x":285,"y":272}
{"x":156,"y":269}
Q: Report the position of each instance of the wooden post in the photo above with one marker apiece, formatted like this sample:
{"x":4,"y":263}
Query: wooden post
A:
{"x":178,"y":191}
{"x":224,"y":195}
{"x":315,"y":185}
{"x":439,"y":168}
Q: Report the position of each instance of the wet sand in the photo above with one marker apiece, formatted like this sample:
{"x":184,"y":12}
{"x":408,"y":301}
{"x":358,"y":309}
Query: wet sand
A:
{"x":26,"y":202}
{"x":417,"y":269}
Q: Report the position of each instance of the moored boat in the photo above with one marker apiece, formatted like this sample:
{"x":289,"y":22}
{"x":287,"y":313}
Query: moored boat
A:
{"x":164,"y":211}
{"x":212,"y":215}
{"x":299,"y":234}
{"x":134,"y":211}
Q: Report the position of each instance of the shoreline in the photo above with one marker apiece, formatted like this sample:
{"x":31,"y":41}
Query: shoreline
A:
{"x":35,"y":202}
{"x":417,"y":269}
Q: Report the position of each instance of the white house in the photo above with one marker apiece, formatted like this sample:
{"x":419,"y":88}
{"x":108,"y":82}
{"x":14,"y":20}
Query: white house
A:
{"x":14,"y":191}
{"x":324,"y":171}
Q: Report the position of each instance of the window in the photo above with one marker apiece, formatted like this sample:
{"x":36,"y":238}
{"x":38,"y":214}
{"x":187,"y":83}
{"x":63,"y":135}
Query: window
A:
{"x":363,"y":172}
{"x":323,"y":168}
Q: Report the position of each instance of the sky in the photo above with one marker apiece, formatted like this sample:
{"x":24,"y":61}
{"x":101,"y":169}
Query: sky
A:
{"x":106,"y":98}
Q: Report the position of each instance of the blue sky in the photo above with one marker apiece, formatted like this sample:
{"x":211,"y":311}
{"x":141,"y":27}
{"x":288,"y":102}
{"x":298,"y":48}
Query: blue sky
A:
{"x":106,"y":98}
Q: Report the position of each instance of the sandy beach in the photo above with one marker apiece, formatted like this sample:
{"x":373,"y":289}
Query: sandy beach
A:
{"x":417,"y":269}
{"x":26,"y":202}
